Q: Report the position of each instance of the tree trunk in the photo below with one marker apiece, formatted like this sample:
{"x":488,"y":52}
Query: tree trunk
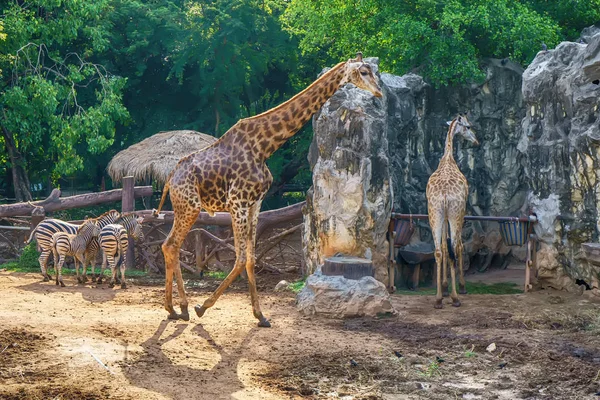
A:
{"x":20,"y":180}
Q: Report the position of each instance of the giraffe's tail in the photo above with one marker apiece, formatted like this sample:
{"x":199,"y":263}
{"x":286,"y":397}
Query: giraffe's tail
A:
{"x":448,"y":234}
{"x":155,"y":212}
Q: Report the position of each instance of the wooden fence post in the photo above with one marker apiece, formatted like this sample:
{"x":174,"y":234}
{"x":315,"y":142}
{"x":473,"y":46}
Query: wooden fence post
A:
{"x":37,"y":215}
{"x":128,"y":205}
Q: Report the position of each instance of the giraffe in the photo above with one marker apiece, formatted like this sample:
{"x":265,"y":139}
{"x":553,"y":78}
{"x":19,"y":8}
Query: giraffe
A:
{"x":447,"y":192}
{"x":231,"y":176}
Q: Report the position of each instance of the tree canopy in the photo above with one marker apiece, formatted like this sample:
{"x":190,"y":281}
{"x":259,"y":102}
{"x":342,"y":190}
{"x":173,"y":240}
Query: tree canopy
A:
{"x":80,"y":81}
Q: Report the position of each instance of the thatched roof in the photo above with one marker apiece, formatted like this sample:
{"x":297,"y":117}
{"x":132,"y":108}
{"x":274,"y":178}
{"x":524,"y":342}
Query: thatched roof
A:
{"x":156,"y":156}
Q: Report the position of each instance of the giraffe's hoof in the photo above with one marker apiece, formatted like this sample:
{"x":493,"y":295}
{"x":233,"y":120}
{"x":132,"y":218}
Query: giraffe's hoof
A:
{"x":456,"y":303}
{"x":184,"y":316}
{"x":264,"y":323}
{"x":200,"y":310}
{"x":173,"y":315}
{"x":438,"y":304}
{"x":62,"y":284}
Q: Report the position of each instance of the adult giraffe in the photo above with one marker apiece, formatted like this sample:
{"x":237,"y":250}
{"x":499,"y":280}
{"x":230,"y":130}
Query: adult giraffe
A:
{"x":447,"y":193}
{"x":231,"y":175}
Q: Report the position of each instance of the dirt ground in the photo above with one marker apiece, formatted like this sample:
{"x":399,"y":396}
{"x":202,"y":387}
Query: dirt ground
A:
{"x":53,"y":341}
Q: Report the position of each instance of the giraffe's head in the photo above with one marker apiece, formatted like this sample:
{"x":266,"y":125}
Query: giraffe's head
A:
{"x":361,"y":75}
{"x":463,"y":127}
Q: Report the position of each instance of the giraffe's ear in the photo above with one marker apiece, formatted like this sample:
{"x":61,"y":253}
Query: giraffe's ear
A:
{"x":359,"y":57}
{"x":448,"y":123}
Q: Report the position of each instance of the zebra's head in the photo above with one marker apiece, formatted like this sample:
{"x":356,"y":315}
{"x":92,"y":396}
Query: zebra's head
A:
{"x":137,"y":232}
{"x":133,"y":225}
{"x":88,"y":229}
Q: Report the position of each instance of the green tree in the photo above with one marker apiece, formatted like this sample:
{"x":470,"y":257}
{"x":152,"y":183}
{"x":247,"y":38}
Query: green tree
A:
{"x":54,"y":97}
{"x":443,"y":41}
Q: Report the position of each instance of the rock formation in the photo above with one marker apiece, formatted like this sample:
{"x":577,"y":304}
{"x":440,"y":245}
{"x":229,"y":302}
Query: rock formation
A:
{"x":561,"y":145}
{"x":349,"y":204}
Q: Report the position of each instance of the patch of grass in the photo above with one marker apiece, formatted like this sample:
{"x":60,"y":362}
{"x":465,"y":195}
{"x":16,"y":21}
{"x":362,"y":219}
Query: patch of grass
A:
{"x":219,"y":275}
{"x":297,"y":286}
{"x":433,"y":368}
{"x":472,"y":288}
{"x":470,"y":353}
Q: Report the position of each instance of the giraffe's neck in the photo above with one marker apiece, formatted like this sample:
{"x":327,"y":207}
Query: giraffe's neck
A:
{"x":448,"y":156}
{"x":266,"y":132}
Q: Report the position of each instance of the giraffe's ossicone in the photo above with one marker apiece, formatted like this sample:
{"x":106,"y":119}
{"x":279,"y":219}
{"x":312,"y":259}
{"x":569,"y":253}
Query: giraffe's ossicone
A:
{"x":231,"y":175}
{"x":447,"y":194}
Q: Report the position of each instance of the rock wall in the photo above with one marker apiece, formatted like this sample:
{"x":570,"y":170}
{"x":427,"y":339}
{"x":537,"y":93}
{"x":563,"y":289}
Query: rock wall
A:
{"x":417,"y":115}
{"x":561,"y":145}
{"x":349,"y":204}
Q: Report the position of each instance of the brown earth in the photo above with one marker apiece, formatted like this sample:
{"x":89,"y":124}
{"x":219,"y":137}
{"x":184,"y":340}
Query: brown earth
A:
{"x":52,"y":341}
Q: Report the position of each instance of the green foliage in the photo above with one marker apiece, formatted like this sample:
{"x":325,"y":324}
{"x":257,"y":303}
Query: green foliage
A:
{"x":28,"y":261}
{"x":57,"y":104}
{"x":441,"y":40}
{"x":297,"y":286}
{"x":218,"y":275}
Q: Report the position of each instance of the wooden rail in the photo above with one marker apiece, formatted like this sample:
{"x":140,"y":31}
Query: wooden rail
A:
{"x":55,"y":203}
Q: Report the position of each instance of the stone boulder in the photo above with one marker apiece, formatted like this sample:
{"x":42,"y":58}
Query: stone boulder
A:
{"x":338,"y":297}
{"x":349,"y":204}
{"x":560,"y":145}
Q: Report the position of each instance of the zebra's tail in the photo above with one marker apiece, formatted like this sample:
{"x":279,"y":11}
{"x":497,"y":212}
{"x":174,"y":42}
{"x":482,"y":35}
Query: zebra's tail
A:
{"x":31,"y":236}
{"x":155,"y":212}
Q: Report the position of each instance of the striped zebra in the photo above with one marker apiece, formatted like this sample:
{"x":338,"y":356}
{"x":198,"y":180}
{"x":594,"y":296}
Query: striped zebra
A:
{"x":43,"y":235}
{"x":114,"y":242}
{"x":66,"y":244}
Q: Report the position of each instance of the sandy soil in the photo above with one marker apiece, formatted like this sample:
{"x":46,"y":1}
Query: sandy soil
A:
{"x":52,"y":341}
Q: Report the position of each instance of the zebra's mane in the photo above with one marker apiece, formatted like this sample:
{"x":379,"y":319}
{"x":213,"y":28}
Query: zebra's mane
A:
{"x":105,"y":214}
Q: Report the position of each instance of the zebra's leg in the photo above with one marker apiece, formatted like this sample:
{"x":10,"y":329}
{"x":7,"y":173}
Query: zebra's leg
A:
{"x":113,"y":269}
{"x":59,"y":270}
{"x":102,"y":268}
{"x":83,"y":261}
{"x":44,"y":264}
{"x":123,"y":265}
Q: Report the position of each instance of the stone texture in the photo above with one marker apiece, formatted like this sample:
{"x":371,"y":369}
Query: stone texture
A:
{"x":338,"y":297}
{"x":349,"y":204}
{"x":561,"y":148}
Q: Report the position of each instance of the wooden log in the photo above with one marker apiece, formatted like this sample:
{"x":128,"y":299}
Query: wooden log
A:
{"x":54,"y":203}
{"x":348,"y":267}
{"x":265,"y":218}
{"x":128,"y":205}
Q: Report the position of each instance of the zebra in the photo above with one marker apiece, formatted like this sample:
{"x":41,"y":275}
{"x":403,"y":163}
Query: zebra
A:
{"x":66,"y":244}
{"x":114,"y":242}
{"x":43,"y":235}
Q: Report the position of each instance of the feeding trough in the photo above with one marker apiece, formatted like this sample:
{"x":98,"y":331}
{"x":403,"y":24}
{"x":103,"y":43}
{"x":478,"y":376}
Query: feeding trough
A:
{"x":514,"y":233}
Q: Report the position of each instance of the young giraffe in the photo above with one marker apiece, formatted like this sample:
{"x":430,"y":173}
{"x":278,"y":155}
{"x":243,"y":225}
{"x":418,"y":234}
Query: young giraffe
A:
{"x":447,"y":192}
{"x":231,"y":175}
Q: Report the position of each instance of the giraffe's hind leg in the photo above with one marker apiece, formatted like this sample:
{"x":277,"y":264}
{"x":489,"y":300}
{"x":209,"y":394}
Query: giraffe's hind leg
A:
{"x":456,"y":233}
{"x":250,"y":263}
{"x":445,"y":259}
{"x":436,"y":220}
{"x":185,"y":216}
{"x":241,"y":225}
